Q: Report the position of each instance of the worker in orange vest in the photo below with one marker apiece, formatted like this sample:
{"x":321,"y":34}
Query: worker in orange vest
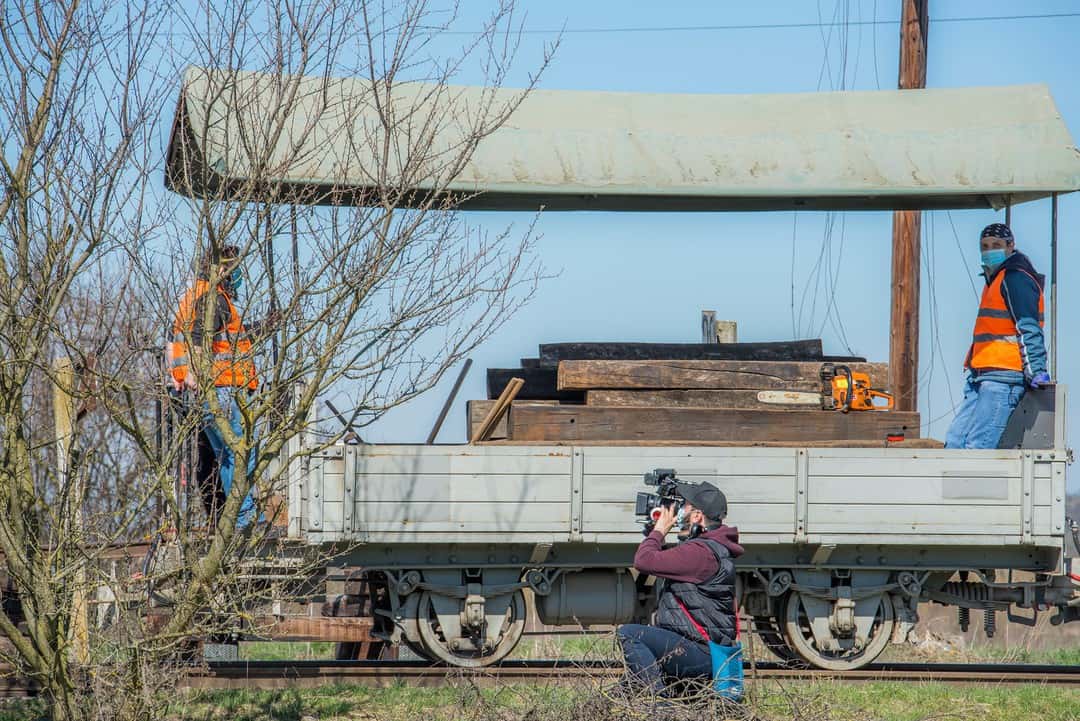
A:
{"x":1007,"y":354}
{"x":232,"y":366}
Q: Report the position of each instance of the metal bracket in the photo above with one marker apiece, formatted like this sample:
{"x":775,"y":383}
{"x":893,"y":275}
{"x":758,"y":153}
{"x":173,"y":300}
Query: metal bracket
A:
{"x":1022,"y":620}
{"x":577,"y":484}
{"x":349,"y":503}
{"x":802,"y":476}
{"x":540,"y":552}
{"x":822,"y":554}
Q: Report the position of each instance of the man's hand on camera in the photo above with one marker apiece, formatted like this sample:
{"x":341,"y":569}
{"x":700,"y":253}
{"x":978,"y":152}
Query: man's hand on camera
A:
{"x":666,"y":520}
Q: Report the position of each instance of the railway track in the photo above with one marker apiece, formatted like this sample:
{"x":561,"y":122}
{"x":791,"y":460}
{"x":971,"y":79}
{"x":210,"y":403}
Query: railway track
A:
{"x":274,"y":674}
{"x":307,"y":674}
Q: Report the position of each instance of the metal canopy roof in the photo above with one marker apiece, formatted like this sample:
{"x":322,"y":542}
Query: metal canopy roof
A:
{"x":571,"y":150}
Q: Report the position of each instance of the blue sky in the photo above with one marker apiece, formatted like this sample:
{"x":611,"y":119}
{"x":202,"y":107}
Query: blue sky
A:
{"x":646,"y":277}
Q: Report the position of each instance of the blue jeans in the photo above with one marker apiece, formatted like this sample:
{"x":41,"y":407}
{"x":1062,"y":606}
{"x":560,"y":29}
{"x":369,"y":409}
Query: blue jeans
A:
{"x":225,"y":457}
{"x":652,"y":653}
{"x":983,"y":414}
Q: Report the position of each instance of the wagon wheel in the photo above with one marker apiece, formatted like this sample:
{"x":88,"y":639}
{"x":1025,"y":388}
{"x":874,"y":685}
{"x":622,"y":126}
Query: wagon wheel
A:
{"x":436,"y":646}
{"x":797,"y":633}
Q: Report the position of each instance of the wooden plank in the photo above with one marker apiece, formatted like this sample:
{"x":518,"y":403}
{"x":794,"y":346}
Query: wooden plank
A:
{"x":551,"y":354}
{"x":314,"y":628}
{"x":530,"y":362}
{"x":573,"y":423}
{"x":497,"y":411}
{"x":703,"y":374}
{"x":540,"y":384}
{"x":745,"y":399}
{"x":476,"y":410}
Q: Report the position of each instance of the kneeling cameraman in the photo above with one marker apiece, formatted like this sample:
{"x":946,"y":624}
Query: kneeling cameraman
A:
{"x":696,"y":592}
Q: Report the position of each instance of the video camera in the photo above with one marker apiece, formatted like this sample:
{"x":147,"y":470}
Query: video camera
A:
{"x":673,"y":493}
{"x":666,"y":496}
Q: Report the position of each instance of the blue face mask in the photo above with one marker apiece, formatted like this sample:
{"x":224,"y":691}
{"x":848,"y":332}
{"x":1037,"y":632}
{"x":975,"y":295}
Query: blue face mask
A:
{"x":680,"y":518}
{"x":992,"y":258}
{"x":236,"y":279}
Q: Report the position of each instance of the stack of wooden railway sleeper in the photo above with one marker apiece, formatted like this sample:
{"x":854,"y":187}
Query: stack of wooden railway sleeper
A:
{"x":676,"y":393}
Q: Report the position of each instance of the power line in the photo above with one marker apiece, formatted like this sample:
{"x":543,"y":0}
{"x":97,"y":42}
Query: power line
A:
{"x":772,"y":26}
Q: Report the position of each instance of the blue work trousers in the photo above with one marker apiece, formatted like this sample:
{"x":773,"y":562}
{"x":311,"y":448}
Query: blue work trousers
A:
{"x":653,"y":653}
{"x":983,"y":414}
{"x":225,"y":457}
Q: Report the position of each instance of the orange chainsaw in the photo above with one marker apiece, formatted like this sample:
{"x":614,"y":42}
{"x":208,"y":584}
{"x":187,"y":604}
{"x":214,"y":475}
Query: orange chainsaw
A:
{"x":843,"y":390}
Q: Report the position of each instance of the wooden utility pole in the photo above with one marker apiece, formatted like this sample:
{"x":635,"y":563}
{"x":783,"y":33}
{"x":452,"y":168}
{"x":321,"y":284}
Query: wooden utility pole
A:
{"x":904,"y":321}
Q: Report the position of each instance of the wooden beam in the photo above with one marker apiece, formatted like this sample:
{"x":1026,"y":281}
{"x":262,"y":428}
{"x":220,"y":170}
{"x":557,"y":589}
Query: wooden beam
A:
{"x":741,"y":399}
{"x":904,"y":317}
{"x":574,"y":423}
{"x":702,"y":374}
{"x":477,"y":410}
{"x":497,"y":411}
{"x":798,"y":350}
{"x":540,"y":384}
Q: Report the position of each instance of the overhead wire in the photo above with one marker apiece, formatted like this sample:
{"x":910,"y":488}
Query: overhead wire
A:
{"x":823,"y":279}
{"x":937,"y":353}
{"x":960,"y":249}
{"x":873,"y":35}
{"x":776,"y":26}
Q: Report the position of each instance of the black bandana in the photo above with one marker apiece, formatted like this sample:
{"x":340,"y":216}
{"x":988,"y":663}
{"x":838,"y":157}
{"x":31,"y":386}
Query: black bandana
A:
{"x":997,"y":230}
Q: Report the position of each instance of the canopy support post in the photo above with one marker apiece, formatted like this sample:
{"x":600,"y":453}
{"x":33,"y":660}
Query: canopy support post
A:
{"x":907,"y":231}
{"x":1053,"y":283}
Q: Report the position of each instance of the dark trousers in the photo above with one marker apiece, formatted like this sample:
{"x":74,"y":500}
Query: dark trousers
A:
{"x":207,"y":478}
{"x":653,"y":653}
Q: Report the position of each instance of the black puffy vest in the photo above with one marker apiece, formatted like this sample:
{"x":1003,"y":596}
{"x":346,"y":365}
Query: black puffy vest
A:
{"x":712,"y":603}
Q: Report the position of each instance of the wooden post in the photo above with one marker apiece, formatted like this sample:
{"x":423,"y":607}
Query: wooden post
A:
{"x":717,"y":331}
{"x":64,"y":418}
{"x":904,"y":321}
{"x":708,"y":326}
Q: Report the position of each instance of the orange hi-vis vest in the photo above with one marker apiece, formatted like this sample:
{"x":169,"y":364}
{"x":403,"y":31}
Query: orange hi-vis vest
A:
{"x":995,"y":343}
{"x":231,"y":346}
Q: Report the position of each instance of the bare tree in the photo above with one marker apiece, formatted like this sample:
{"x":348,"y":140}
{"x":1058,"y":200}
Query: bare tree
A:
{"x":78,"y":103}
{"x":373,"y":285}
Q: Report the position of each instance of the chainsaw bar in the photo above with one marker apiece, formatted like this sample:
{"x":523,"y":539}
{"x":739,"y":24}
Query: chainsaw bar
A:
{"x":789,"y":398}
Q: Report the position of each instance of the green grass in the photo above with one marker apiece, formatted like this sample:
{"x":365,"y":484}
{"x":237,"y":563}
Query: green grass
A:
{"x":286,"y":651}
{"x":819,"y":701}
{"x":594,"y":647}
{"x":922,"y":701}
{"x":460,"y":700}
{"x":395,"y":703}
{"x":1056,"y":656}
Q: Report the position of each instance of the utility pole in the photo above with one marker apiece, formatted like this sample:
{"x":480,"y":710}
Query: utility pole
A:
{"x":904,"y":320}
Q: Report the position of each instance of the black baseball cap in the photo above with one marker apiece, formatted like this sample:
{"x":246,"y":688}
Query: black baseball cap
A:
{"x":705,"y":497}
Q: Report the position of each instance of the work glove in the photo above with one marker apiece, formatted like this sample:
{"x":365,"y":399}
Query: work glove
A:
{"x":1040,"y":380}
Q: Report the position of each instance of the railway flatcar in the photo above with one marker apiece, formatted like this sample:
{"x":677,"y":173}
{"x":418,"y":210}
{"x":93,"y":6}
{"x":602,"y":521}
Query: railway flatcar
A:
{"x":842,"y":544}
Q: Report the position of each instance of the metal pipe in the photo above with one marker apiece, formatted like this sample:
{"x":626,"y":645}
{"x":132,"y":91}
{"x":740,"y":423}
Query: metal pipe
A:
{"x":1053,"y":284}
{"x":449,"y":402}
{"x":1008,"y":213}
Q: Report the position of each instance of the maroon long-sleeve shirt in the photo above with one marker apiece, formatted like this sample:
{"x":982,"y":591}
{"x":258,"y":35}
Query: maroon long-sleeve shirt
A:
{"x":689,"y":562}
